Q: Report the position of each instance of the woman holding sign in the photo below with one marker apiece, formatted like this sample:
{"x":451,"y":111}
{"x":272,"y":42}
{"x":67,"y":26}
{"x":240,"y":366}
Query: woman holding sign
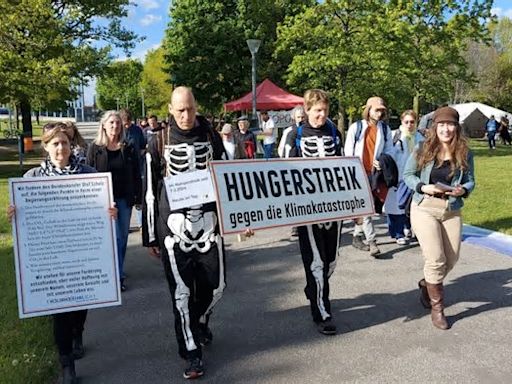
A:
{"x":441,"y":173}
{"x":67,"y":327}
{"x":317,"y":137}
{"x":109,"y":153}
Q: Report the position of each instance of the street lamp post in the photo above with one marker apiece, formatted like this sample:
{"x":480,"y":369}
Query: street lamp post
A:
{"x":254,"y":45}
{"x":143,"y":108}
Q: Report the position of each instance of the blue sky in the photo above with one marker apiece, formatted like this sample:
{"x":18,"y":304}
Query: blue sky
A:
{"x":503,"y":8}
{"x":149,"y":18}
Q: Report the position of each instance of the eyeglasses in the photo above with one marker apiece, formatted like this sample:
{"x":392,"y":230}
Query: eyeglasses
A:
{"x":49,"y":126}
{"x":409,"y":121}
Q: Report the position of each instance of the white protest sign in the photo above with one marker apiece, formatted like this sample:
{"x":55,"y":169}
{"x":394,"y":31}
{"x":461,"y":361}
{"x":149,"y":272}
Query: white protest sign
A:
{"x":64,"y":244}
{"x":260,"y":194}
{"x":187,"y":189}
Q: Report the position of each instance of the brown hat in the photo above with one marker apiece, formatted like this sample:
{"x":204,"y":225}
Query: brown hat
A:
{"x":226,"y":129}
{"x":376,"y":102}
{"x":373,"y":102}
{"x":447,"y":115}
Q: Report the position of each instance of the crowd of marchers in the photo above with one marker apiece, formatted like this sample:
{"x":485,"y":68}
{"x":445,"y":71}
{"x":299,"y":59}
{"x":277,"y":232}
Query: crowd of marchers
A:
{"x":419,"y":182}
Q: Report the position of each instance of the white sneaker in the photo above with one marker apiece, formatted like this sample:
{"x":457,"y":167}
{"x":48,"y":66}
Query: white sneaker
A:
{"x":407,"y":233}
{"x":401,"y":241}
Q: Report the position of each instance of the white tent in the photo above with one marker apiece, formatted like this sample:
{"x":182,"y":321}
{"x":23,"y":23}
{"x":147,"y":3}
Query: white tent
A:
{"x":472,"y":116}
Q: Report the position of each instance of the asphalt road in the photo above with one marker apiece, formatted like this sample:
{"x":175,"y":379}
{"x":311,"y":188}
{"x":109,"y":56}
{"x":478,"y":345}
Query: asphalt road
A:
{"x":263,"y":331}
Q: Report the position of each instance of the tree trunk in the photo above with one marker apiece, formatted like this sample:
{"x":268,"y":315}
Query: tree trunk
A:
{"x":416,"y":104}
{"x":17,"y":116}
{"x":26,"y":118}
{"x":342,"y":119}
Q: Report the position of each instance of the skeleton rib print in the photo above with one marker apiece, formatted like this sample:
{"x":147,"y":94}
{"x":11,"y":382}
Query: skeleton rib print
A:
{"x":187,"y":157}
{"x":315,"y":146}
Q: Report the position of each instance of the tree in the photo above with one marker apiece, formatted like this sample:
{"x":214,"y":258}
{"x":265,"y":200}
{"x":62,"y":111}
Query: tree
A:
{"x":48,"y":47}
{"x":491,"y":68}
{"x":398,"y":49}
{"x":206,"y":48}
{"x":336,"y":46}
{"x":156,"y":83}
{"x":119,"y":86}
{"x":434,"y":35}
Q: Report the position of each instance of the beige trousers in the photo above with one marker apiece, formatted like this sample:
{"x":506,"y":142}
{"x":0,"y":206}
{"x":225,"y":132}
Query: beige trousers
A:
{"x":439,"y":233}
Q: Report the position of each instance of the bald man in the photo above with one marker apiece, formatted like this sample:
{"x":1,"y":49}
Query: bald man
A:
{"x":187,"y":240}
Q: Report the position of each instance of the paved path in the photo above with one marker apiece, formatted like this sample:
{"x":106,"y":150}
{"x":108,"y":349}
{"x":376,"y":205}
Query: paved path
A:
{"x":88,"y":130}
{"x":263,"y":332}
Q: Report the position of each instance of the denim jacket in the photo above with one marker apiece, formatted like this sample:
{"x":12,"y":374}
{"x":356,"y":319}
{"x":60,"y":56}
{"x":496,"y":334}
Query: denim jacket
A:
{"x":413,"y":177}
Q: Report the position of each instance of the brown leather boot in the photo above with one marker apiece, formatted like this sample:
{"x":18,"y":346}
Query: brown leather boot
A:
{"x":436,"y":294}
{"x":424,"y":298}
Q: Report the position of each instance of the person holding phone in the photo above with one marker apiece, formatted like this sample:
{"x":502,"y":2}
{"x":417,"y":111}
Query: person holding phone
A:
{"x":441,"y":173}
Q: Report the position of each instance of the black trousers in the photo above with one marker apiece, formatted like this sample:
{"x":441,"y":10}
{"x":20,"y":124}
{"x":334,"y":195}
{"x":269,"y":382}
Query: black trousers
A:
{"x":196,"y":282}
{"x":65,"y":326}
{"x":319,"y":246}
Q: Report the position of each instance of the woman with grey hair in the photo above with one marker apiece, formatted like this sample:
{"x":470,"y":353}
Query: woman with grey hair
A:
{"x":297,"y":117}
{"x":233,"y":147}
{"x":110,"y":153}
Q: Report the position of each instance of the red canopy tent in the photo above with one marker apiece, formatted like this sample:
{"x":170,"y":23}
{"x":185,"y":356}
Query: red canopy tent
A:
{"x":268,"y":96}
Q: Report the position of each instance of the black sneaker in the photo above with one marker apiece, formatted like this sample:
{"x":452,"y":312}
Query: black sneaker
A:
{"x":195,"y":368}
{"x":205,"y":335}
{"x":326,"y":327}
{"x":357,"y":242}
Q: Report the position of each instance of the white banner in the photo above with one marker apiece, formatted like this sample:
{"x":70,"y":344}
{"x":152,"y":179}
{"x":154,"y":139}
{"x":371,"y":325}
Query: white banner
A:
{"x":64,"y":244}
{"x":260,"y":194}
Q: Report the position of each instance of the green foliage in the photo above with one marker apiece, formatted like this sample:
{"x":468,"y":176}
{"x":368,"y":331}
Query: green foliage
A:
{"x":119,"y":84}
{"x":27,"y":352}
{"x":206,"y":48}
{"x":398,"y":49}
{"x":49,"y":46}
{"x":491,"y":68}
{"x":206,"y":51}
{"x":335,"y":46}
{"x":156,"y":84}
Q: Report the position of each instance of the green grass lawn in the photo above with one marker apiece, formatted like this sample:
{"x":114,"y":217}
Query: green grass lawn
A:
{"x":27,"y":352}
{"x":490,"y":204}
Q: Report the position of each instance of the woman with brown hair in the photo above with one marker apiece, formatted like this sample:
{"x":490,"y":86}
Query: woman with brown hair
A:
{"x":441,"y":173}
{"x":60,"y":161}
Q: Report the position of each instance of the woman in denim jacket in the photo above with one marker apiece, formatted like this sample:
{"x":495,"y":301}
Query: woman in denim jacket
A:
{"x":441,"y":173}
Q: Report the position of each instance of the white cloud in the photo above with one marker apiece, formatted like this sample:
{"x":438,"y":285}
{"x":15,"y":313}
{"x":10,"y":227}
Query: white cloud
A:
{"x":148,"y":4}
{"x":500,"y":12}
{"x":139,"y":54}
{"x":149,"y":19}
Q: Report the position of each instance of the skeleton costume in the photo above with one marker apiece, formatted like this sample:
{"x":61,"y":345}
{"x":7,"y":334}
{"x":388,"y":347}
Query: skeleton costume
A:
{"x":318,"y":242}
{"x":191,"y":247}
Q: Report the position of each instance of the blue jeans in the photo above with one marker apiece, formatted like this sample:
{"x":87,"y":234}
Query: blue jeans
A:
{"x":397,"y":224}
{"x":268,"y":149}
{"x":491,"y":138}
{"x":124,"y":214}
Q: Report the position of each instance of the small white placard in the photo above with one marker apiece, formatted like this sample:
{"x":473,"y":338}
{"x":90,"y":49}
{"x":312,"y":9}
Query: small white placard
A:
{"x":189,"y":189}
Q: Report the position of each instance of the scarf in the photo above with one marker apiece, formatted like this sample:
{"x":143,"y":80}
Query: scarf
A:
{"x":408,"y":137}
{"x":50,"y":169}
